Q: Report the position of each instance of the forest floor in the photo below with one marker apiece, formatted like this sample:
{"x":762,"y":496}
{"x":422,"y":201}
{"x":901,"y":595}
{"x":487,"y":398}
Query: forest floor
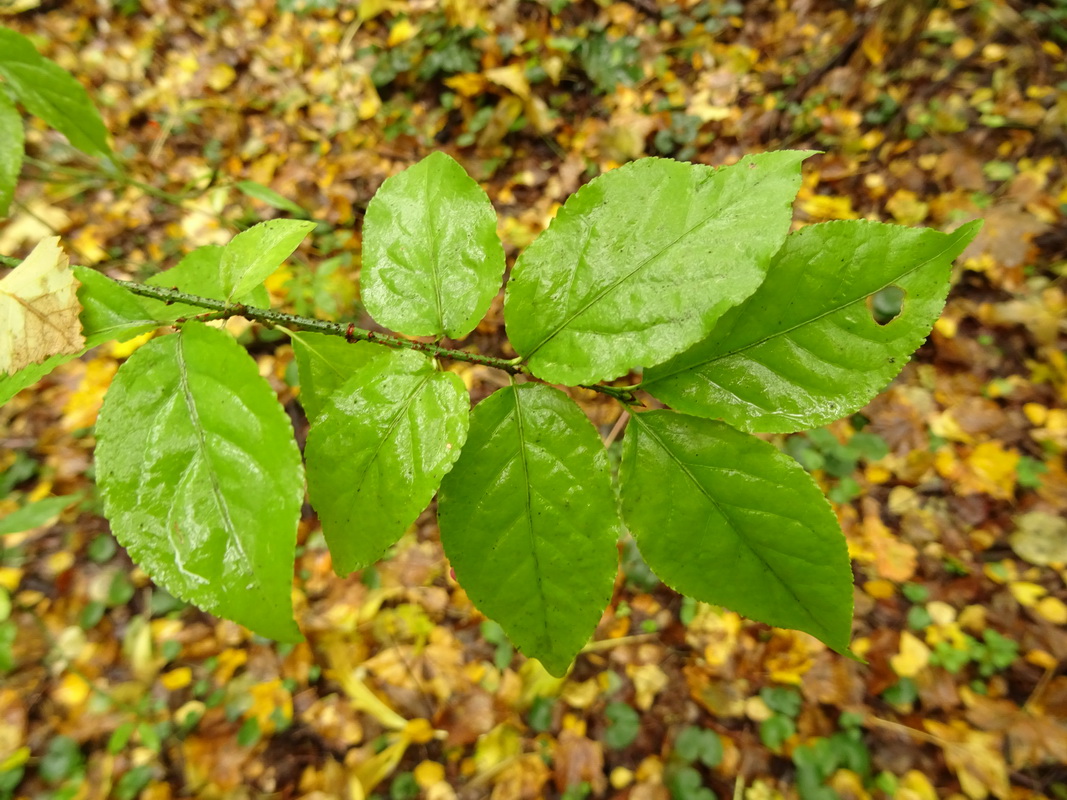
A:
{"x":953,"y":499}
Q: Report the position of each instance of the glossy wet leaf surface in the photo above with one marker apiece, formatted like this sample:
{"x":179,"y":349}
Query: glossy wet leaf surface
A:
{"x":528,"y":521}
{"x":610,"y":286}
{"x":432,"y":262}
{"x":253,"y":255}
{"x":378,"y":450}
{"x":324,"y":363}
{"x":728,"y":519}
{"x":201,"y":477}
{"x":806,"y":348}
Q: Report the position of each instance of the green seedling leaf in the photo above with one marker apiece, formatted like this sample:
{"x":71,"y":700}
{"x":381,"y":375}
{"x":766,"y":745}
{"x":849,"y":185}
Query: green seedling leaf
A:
{"x":432,"y":262}
{"x":377,"y":453}
{"x":51,"y":93}
{"x":695,"y":744}
{"x":12,"y":142}
{"x":623,"y":725}
{"x":726,"y":518}
{"x":324,"y":364}
{"x":257,"y":191}
{"x":34,"y":515}
{"x":640,"y":263}
{"x":528,"y":520}
{"x":805,"y":349}
{"x":253,"y":255}
{"x":686,"y":784}
{"x":782,"y":700}
{"x":201,"y":477}
{"x":774,"y":730}
{"x":63,"y":758}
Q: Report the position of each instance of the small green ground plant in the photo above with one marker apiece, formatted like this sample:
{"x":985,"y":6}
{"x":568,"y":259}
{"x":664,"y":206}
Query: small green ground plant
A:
{"x":684,"y":274}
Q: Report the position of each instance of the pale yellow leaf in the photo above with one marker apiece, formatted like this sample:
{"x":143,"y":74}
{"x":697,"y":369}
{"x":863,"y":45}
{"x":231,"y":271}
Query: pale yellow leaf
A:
{"x":912,"y":658}
{"x":39,"y":309}
{"x":511,"y":77}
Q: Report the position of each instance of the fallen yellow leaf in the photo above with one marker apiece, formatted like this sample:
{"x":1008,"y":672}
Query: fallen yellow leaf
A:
{"x":912,"y":658}
{"x":511,"y":77}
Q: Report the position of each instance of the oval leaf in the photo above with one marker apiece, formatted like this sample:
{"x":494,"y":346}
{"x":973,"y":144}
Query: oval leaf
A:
{"x":726,"y":518}
{"x":805,"y":349}
{"x":378,"y":452}
{"x":639,"y":263}
{"x":432,"y":261}
{"x":529,"y":523}
{"x":201,"y":477}
{"x":11,"y":144}
{"x":51,"y":93}
{"x":253,"y":255}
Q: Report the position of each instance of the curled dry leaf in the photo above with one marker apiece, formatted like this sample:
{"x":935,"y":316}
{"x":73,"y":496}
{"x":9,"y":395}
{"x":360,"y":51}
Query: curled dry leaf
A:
{"x":39,"y":309}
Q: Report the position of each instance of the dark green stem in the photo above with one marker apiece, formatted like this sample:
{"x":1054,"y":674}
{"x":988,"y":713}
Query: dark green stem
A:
{"x":222,"y":310}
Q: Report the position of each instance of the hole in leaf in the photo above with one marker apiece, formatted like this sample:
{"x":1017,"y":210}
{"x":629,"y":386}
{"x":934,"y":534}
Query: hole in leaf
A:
{"x":886,"y":304}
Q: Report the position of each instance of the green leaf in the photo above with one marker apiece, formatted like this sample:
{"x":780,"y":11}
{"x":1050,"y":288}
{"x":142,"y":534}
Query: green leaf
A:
{"x":51,"y":93}
{"x":528,"y":520}
{"x":12,"y":140}
{"x":432,"y":262}
{"x":805,"y":349}
{"x":726,"y":518}
{"x":201,"y":478}
{"x":34,"y":515}
{"x":687,"y":784}
{"x":640,"y":263}
{"x":623,"y":725}
{"x":253,"y":255}
{"x":11,"y":385}
{"x":694,"y":744}
{"x":203,"y":272}
{"x":324,"y":364}
{"x":110,"y":311}
{"x":265,"y":194}
{"x":63,"y":757}
{"x":377,"y":453}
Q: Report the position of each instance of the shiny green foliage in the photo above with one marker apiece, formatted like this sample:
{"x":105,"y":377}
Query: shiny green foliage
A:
{"x":253,"y":255}
{"x":325,"y":363}
{"x":682,"y":269}
{"x":640,"y":263}
{"x":726,"y":518}
{"x":428,"y":273}
{"x":378,"y":450}
{"x":201,"y":477}
{"x":51,"y":93}
{"x":806,"y":349}
{"x":528,"y":520}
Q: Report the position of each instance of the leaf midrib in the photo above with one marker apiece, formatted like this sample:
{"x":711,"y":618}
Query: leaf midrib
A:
{"x":529,"y":516}
{"x":393,"y":422}
{"x":770,"y":568}
{"x":198,"y":430}
{"x":803,"y":323}
{"x":617,"y":282}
